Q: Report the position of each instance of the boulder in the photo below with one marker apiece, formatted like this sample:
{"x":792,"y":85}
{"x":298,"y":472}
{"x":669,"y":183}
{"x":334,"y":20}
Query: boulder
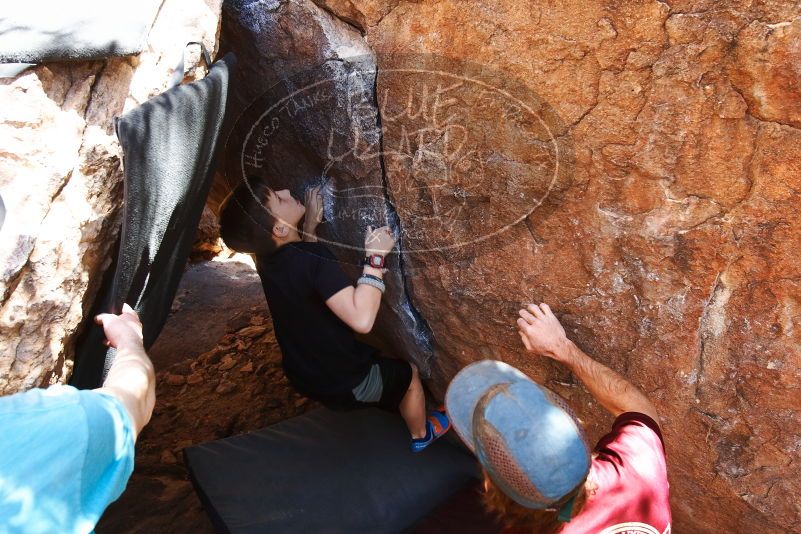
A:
{"x":633,"y":164}
{"x":305,"y":114}
{"x":61,"y":180}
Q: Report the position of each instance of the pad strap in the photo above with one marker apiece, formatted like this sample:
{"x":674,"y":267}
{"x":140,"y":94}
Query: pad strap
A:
{"x":178,"y":73}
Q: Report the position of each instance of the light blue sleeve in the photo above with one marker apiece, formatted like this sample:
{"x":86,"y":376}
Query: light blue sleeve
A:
{"x":65,"y":454}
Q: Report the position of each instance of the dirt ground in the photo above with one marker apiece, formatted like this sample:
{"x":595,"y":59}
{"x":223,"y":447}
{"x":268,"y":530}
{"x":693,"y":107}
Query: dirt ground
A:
{"x":218,"y":374}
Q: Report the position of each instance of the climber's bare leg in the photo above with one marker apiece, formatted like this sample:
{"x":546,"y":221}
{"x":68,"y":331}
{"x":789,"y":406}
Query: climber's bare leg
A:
{"x":413,"y":406}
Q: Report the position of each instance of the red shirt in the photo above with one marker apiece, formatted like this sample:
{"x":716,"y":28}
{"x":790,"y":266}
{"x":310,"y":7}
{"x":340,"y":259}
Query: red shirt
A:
{"x":631,"y":476}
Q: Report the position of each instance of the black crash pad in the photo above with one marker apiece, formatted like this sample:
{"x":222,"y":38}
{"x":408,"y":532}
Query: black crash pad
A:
{"x":326,"y":472}
{"x":464,"y":513}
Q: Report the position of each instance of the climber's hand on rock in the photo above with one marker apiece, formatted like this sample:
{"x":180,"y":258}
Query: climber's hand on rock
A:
{"x":541,"y":332}
{"x":314,"y":206}
{"x":378,"y":241}
{"x":123,"y":330}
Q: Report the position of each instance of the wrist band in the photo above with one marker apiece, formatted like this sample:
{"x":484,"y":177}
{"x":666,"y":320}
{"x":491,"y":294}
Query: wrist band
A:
{"x":378,"y":284}
{"x":373,"y":277}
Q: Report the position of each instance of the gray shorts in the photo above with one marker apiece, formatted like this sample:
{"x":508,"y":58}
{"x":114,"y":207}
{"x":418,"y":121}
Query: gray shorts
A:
{"x":385,"y":385}
{"x":371,"y":388}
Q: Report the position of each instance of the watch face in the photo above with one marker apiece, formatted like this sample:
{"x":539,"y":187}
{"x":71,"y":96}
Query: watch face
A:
{"x":376,"y":261}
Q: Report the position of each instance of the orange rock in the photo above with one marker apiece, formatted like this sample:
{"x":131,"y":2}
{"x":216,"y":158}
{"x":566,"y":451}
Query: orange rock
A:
{"x":175,"y":380}
{"x":228,"y":362}
{"x":195,"y":378}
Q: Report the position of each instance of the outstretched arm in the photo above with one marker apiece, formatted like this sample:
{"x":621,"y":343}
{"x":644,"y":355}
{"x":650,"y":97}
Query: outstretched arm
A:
{"x":131,"y":378}
{"x":358,"y":306}
{"x":542,"y":334}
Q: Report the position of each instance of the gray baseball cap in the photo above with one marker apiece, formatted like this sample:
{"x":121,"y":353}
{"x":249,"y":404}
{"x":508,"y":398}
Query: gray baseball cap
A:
{"x":524,"y":435}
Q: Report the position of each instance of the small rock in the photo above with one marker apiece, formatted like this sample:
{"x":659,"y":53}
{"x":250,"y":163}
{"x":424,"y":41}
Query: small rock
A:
{"x":274,"y":374}
{"x":211,"y":357}
{"x":195,"y":378}
{"x":184,"y":443}
{"x":226,"y":387}
{"x":167,"y":457}
{"x":247,"y":368}
{"x":175,"y":380}
{"x":227,"y":363}
{"x":300,"y":403}
{"x":182,"y":368}
{"x":252,"y":331}
{"x":257,"y":320}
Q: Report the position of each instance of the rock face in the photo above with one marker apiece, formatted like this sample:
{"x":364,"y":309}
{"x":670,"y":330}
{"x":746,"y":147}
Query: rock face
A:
{"x":634,"y":164}
{"x":305,"y":115}
{"x":60,"y":178}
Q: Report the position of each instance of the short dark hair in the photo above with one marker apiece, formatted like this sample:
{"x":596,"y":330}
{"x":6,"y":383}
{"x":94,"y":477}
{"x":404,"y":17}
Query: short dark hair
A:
{"x":246,"y":225}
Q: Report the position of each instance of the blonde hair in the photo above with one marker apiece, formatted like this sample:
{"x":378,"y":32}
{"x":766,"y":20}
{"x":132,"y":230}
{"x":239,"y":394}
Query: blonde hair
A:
{"x":518,"y":517}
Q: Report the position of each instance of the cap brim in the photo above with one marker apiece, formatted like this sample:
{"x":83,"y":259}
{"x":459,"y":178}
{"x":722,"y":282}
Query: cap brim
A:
{"x":467,"y":388}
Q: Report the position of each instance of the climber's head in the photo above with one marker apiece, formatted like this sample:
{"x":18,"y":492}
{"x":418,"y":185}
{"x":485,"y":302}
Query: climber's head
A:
{"x":245,"y":223}
{"x":530,"y":444}
{"x":255,"y":219}
{"x":287,"y":210}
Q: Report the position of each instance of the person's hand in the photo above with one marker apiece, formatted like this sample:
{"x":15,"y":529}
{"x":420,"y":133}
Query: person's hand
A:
{"x":541,"y":332}
{"x":314,"y":206}
{"x":378,"y":241}
{"x":123,"y":330}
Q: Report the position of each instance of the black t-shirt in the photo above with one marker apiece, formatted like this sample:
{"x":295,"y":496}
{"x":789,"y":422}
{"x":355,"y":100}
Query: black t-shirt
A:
{"x":322,"y":357}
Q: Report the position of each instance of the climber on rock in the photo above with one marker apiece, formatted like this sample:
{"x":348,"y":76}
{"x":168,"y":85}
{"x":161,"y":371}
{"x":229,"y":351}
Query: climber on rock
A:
{"x":539,"y":472}
{"x":316,"y":309}
{"x":66,"y":454}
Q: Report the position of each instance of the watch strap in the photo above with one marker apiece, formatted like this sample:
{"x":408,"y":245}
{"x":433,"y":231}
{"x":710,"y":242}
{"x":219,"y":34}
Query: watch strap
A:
{"x":368,"y":260}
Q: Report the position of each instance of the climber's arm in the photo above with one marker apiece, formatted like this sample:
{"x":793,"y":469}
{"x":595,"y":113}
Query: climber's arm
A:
{"x":542,"y":334}
{"x":131,"y":378}
{"x":357,"y":306}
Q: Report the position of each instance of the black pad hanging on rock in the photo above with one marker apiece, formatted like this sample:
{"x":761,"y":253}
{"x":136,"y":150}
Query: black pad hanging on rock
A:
{"x":326,"y":472}
{"x":169,"y":145}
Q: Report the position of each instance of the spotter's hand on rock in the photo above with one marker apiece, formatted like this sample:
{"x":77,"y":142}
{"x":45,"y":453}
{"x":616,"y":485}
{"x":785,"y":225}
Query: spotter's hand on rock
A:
{"x":541,"y":332}
{"x":378,"y":241}
{"x":123,"y":330}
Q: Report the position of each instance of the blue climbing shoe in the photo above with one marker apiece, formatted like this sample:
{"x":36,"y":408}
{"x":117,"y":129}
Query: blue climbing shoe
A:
{"x":436,"y":427}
